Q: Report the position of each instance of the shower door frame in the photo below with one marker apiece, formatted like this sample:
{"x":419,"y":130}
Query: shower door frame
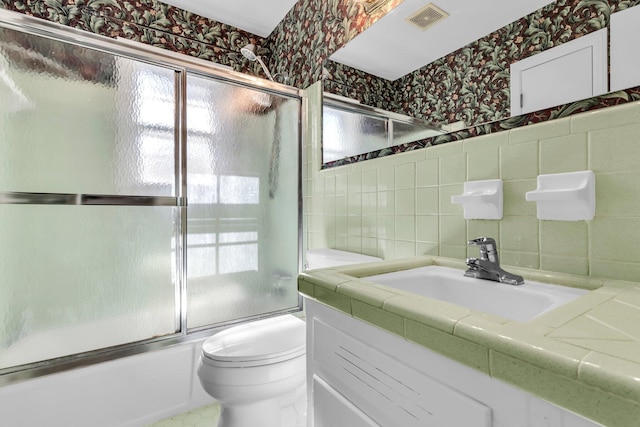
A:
{"x":181,"y":64}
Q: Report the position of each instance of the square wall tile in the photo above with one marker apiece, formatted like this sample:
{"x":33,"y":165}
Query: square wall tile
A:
{"x":386,"y":227}
{"x":486,"y":142}
{"x":369,"y":246}
{"x":405,"y":176}
{"x":406,"y":202}
{"x":620,"y":115}
{"x":514,"y":193}
{"x":615,"y":149}
{"x":519,"y":233}
{"x":520,"y":259}
{"x":450,"y":251}
{"x":563,"y":264}
{"x":427,"y":201}
{"x":453,"y":169}
{"x":544,"y":130}
{"x":427,"y":228}
{"x":445,"y":205}
{"x":453,"y":231}
{"x":565,"y":238}
{"x":354,"y":201}
{"x":615,"y":239}
{"x":386,"y":249}
{"x":614,"y":270}
{"x":354,"y":182}
{"x":405,"y":227}
{"x":483,"y":228}
{"x":342,"y":204}
{"x":370,"y":225}
{"x":342,"y":183}
{"x":519,"y":161}
{"x":329,"y":186}
{"x":427,"y":248}
{"x":386,"y":202}
{"x":369,"y":180}
{"x":354,"y":244}
{"x":441,"y":150}
{"x":354,"y":223}
{"x":386,"y":178}
{"x":618,"y":194}
{"x":563,"y":154}
{"x":405,"y":249}
{"x":369,"y":203}
{"x":427,"y":173}
{"x":483,"y":165}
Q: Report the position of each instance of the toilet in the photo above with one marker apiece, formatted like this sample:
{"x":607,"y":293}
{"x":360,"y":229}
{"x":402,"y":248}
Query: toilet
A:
{"x":256,"y":371}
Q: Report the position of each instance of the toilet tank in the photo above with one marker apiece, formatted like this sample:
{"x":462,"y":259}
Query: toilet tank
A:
{"x":325,"y":257}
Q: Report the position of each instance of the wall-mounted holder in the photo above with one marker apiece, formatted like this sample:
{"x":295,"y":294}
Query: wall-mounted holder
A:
{"x":481,"y":199}
{"x":565,"y":196}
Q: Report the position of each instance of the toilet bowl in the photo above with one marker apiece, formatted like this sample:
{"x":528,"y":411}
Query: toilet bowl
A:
{"x":256,"y":371}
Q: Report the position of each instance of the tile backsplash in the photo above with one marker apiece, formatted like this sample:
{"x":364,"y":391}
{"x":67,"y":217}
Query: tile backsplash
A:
{"x":400,"y":206}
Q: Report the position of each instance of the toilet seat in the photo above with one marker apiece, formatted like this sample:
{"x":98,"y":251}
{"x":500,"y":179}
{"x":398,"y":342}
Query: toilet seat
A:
{"x":263,"y":342}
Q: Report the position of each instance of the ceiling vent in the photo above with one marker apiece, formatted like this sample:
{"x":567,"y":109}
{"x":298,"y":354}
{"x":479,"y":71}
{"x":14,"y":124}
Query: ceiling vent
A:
{"x":427,"y":16}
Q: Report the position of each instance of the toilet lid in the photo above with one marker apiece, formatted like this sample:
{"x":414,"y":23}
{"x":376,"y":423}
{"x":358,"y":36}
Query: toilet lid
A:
{"x":256,"y":343}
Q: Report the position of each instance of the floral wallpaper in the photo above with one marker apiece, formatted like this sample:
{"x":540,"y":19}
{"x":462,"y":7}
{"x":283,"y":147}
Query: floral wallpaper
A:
{"x":312,"y":31}
{"x":472,"y":84}
{"x":149,"y":22}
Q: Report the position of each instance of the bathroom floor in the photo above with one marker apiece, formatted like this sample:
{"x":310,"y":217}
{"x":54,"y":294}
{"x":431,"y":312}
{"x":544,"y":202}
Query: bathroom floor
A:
{"x":205,"y":416}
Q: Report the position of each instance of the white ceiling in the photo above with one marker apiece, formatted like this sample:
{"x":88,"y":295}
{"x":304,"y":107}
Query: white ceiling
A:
{"x":259,"y":17}
{"x":391,"y":48}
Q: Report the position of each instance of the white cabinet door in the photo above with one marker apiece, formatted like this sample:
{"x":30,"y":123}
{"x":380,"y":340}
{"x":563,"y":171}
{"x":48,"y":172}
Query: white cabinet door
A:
{"x":625,"y":50}
{"x":570,"y":72}
{"x":333,"y":410}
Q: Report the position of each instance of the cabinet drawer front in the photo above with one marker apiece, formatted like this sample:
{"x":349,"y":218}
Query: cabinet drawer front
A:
{"x":388,"y":391}
{"x":332,"y":409}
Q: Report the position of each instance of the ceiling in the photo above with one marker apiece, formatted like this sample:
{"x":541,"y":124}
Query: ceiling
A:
{"x":391,"y":48}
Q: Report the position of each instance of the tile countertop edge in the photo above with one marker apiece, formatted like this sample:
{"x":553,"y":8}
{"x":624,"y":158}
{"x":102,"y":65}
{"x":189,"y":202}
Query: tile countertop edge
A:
{"x":613,"y":382}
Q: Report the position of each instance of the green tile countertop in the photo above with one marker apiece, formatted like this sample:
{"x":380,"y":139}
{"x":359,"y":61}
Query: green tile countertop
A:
{"x":583,"y":356}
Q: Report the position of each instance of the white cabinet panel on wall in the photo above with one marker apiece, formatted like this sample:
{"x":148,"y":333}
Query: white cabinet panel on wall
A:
{"x":570,"y":72}
{"x":625,"y":50}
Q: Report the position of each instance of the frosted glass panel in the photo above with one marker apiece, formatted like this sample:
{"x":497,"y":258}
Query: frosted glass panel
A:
{"x":242,"y":174}
{"x":75,"y":120}
{"x":348,"y":133}
{"x":79,"y":278}
{"x":406,"y":132}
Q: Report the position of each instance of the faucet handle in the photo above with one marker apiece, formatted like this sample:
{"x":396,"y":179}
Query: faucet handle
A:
{"x":488,"y":248}
{"x":482,"y":241}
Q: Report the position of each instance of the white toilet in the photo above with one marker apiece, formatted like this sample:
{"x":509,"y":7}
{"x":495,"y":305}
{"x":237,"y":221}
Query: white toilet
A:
{"x":257,"y":372}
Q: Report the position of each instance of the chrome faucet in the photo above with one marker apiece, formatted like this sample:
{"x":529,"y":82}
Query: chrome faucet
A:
{"x":488,"y":266}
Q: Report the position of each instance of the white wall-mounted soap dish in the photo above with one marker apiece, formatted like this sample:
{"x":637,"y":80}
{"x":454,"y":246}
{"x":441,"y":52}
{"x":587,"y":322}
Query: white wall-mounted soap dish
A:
{"x":565,"y":196}
{"x":481,"y":199}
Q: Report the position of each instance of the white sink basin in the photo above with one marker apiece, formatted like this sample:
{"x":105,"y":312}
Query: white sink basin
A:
{"x":521,"y":303}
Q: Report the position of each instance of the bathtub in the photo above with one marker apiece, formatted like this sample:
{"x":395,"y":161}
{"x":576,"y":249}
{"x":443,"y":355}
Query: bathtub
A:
{"x":131,"y":391}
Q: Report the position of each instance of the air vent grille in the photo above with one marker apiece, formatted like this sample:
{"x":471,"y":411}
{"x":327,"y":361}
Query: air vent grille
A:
{"x":427,"y":16}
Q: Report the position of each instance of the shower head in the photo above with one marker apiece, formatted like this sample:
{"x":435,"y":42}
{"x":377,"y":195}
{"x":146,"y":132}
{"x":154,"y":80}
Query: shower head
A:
{"x":249,"y":52}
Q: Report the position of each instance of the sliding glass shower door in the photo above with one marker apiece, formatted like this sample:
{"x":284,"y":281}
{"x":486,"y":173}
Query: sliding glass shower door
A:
{"x":242,"y":188}
{"x":140,"y":198}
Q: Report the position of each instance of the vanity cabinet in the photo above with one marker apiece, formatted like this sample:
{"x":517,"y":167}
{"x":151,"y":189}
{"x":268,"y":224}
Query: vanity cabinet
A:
{"x":361,"y":375}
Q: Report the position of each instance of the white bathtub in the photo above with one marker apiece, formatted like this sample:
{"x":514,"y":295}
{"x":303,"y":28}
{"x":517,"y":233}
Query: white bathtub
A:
{"x":129,"y":392}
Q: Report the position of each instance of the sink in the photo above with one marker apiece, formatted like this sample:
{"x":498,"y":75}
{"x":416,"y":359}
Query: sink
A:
{"x":521,"y":303}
